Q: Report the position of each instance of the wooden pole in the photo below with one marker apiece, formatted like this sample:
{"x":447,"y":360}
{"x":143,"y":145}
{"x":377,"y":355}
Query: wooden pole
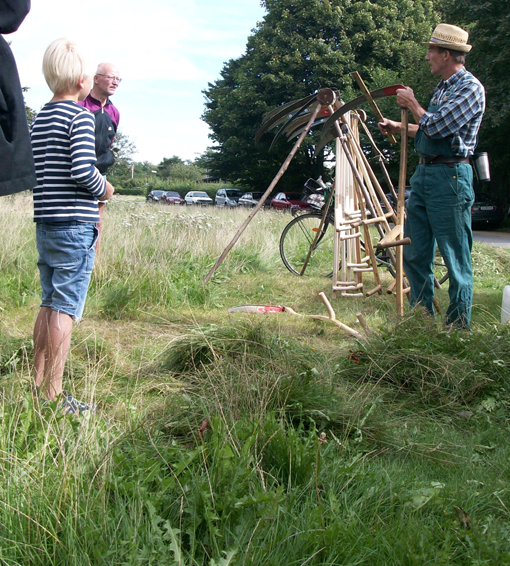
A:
{"x":357,"y":77}
{"x":380,"y":159}
{"x":401,"y":212}
{"x":278,"y":176}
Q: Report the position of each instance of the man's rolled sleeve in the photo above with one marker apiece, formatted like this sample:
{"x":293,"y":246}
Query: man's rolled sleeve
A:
{"x":460,"y":109}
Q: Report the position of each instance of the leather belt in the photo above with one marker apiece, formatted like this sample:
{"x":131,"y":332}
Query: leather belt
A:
{"x":447,"y":159}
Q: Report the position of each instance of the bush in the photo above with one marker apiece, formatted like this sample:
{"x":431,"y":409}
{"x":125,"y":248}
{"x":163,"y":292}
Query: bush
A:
{"x":135,"y":191}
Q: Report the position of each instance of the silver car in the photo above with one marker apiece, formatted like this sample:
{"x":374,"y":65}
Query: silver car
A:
{"x":250,"y":199}
{"x":228,"y":197}
{"x":200,"y":198}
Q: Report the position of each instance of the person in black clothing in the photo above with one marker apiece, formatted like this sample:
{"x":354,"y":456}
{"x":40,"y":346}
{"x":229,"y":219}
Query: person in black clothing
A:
{"x":106,"y":81}
{"x":17,"y":172}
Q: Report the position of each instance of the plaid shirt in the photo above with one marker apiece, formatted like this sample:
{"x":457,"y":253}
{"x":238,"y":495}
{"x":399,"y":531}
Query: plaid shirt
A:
{"x":461,"y":104}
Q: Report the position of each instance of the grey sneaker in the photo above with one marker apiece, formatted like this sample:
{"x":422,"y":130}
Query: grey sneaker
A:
{"x":72,"y":406}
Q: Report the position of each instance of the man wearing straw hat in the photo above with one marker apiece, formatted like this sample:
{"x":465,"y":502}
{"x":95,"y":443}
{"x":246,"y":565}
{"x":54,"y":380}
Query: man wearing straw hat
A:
{"x":439,"y":208}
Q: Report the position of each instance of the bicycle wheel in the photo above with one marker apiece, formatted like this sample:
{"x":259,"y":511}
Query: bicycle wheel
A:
{"x":383,"y":260}
{"x":297,"y":238}
{"x":440,"y":269}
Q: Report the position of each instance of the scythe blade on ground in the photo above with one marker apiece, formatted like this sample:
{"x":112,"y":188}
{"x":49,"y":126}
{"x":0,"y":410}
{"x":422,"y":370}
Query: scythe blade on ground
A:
{"x":264,"y":309}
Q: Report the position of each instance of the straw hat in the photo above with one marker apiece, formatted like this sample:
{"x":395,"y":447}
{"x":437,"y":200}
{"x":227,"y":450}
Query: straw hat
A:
{"x":450,"y":37}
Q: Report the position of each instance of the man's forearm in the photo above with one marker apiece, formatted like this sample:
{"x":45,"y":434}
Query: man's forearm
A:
{"x":392,"y":127}
{"x":417,"y":111}
{"x":412,"y":130}
{"x":406,"y":99}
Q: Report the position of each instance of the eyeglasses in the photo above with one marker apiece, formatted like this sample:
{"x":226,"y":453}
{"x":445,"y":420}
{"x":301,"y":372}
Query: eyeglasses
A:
{"x":110,"y":78}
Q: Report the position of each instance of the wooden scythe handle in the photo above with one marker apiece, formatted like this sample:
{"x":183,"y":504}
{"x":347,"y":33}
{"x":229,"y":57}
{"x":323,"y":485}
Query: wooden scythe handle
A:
{"x":400,"y":211}
{"x":277,"y":177}
{"x":392,"y":244}
{"x":357,"y":77}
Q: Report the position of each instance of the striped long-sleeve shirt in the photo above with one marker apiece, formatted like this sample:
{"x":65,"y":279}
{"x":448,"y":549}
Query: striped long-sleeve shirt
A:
{"x":68,"y":184}
{"x":461,"y":99}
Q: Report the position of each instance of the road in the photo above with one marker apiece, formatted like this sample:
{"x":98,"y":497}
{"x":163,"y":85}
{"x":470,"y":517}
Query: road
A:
{"x":499,"y":239}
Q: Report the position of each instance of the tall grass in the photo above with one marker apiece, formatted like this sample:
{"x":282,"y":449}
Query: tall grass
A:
{"x":229,"y":438}
{"x":160,"y":256}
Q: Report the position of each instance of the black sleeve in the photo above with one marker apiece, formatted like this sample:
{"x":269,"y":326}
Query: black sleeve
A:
{"x":12,"y":13}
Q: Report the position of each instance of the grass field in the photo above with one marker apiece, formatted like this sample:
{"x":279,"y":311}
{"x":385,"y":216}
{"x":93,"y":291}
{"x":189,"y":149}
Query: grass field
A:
{"x":233,"y":438}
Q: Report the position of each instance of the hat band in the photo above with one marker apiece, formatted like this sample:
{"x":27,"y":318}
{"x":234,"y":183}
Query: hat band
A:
{"x":449,"y":39}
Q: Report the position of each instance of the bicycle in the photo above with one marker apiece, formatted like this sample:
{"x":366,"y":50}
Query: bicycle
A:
{"x":306,"y":243}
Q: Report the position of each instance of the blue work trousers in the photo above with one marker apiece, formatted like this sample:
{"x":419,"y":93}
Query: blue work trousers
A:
{"x":439,"y":210}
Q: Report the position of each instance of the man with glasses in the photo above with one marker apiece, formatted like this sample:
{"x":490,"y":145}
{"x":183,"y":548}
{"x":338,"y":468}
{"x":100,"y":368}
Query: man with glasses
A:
{"x":106,"y":81}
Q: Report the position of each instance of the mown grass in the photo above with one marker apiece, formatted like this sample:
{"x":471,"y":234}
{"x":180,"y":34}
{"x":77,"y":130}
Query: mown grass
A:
{"x":229,"y":438}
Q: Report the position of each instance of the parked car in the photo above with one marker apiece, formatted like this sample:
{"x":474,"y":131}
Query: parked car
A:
{"x":228,"y":197}
{"x":198,"y":197}
{"x":486,"y":212}
{"x":155,"y":196}
{"x":250,"y":199}
{"x":172,"y":197}
{"x":289,"y":201}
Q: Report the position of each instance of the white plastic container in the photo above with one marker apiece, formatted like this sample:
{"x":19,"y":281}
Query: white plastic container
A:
{"x":505,"y":307}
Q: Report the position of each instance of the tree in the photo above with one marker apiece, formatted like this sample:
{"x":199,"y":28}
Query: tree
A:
{"x":489,"y":25}
{"x":300,"y":47}
{"x":30,"y":112}
{"x":175,"y":169}
{"x":123,"y":149}
{"x":166,"y":165}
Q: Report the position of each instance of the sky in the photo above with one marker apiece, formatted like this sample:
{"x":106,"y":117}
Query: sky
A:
{"x":167,"y":51}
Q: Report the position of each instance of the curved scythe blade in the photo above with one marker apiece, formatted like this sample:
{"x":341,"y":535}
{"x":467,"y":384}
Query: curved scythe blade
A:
{"x":323,"y":142}
{"x":280,"y":114}
{"x":297,"y":127}
{"x":379,"y":93}
{"x":300,"y":118}
{"x":328,"y":135}
{"x":287,"y":107}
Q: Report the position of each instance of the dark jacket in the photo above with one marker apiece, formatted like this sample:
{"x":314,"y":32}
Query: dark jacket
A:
{"x":17,"y":172}
{"x":107,"y":121}
{"x":105,"y":132}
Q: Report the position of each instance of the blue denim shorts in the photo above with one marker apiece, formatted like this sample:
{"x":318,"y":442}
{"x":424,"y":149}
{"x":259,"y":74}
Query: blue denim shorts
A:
{"x":66,"y":258}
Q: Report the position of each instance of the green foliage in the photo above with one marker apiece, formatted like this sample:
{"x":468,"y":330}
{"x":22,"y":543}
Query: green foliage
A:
{"x":129,"y":188}
{"x":300,"y":47}
{"x":139,"y":178}
{"x":123,"y":150}
{"x":30,"y":112}
{"x":13,"y":354}
{"x":176,"y":169}
{"x":291,"y":381}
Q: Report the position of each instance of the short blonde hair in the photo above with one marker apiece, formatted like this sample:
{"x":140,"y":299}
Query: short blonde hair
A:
{"x":64,"y":66}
